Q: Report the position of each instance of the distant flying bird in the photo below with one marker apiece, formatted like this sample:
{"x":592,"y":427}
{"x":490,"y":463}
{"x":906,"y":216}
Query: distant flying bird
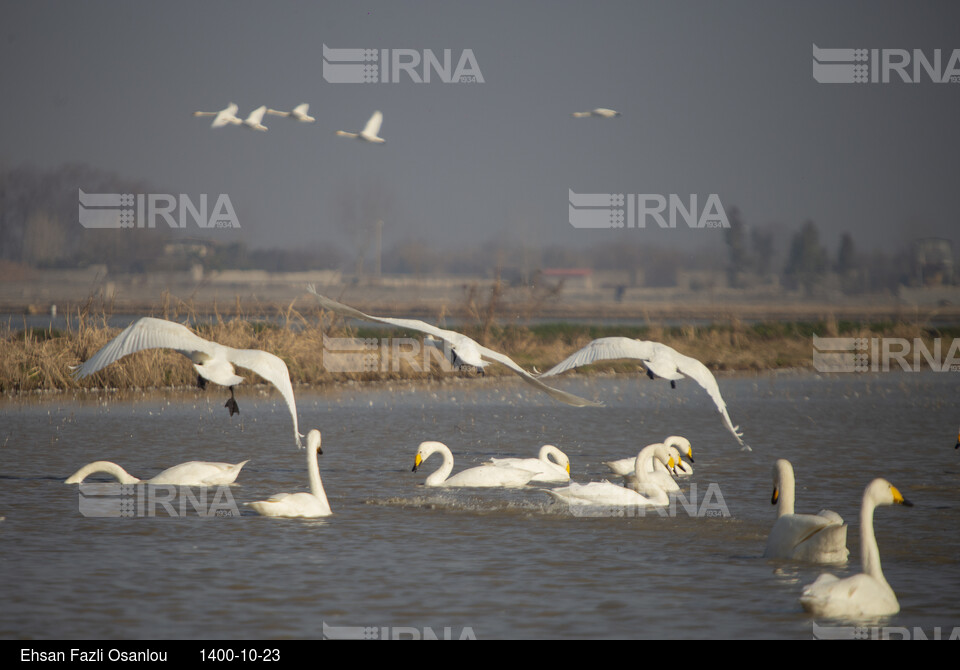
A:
{"x":601,"y":112}
{"x":660,"y":361}
{"x":461,"y":349}
{"x":212,"y":361}
{"x":369,"y":132}
{"x":225,"y":116}
{"x":299,"y":113}
{"x":255,"y":120}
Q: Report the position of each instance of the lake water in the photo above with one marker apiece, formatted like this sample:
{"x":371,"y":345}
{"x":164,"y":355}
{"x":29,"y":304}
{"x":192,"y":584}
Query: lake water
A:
{"x":398,"y":558}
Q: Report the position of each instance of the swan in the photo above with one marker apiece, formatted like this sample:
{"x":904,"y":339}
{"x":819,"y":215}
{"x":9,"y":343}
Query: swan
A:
{"x":867,"y":594}
{"x":212,"y":361}
{"x":299,"y":113}
{"x":625,"y":466}
{"x":601,"y":112}
{"x":547,"y":470}
{"x":482,"y":475}
{"x":660,"y":361}
{"x":818,"y":538}
{"x":648,"y":493}
{"x":460,"y":349}
{"x":227,"y":115}
{"x":303,"y":504}
{"x":191,"y":473}
{"x":657,"y":472}
{"x":369,"y":132}
{"x":255,"y":120}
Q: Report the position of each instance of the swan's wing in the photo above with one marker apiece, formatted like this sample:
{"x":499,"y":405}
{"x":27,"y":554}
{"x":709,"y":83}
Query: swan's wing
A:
{"x":373,"y":125}
{"x":274,"y":370}
{"x":701,"y":374}
{"x":557,"y":394}
{"x":301,"y":108}
{"x":412,"y":324}
{"x":256,"y":116}
{"x":147,"y":333}
{"x":603,"y":349}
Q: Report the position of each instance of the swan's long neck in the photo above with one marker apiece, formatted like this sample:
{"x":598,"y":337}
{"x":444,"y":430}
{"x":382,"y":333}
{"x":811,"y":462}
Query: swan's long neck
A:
{"x":444,"y":471}
{"x":869,"y":551}
{"x":107,"y":467}
{"x":786,"y":497}
{"x":313,"y":468}
{"x":642,"y":463}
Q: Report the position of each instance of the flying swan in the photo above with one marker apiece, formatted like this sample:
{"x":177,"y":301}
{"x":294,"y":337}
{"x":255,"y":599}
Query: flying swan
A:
{"x":551,"y":465}
{"x":865,"y":595}
{"x":299,"y":113}
{"x":460,"y":349}
{"x":480,"y":476}
{"x":303,"y":504}
{"x":369,"y":132}
{"x":191,"y":473}
{"x":647,"y":494}
{"x":255,"y":120}
{"x":213,"y":362}
{"x":818,"y":538}
{"x":227,"y":115}
{"x":660,"y":361}
{"x":601,"y":112}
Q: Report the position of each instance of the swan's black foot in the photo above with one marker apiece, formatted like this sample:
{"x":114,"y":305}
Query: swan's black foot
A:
{"x":201,"y":382}
{"x":231,"y":404}
{"x":650,"y":374}
{"x":673,"y":384}
{"x":480,"y":371}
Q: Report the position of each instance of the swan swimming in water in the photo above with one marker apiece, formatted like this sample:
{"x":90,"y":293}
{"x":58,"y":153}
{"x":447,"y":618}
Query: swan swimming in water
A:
{"x":660,"y":361}
{"x":657,"y":472}
{"x":647,"y":494}
{"x":867,"y":594}
{"x":818,"y":538}
{"x":369,"y":132}
{"x":556,"y":469}
{"x":191,"y":473}
{"x":303,"y":504}
{"x":213,"y":362}
{"x":462,"y":349}
{"x":625,"y":466}
{"x":480,"y":476}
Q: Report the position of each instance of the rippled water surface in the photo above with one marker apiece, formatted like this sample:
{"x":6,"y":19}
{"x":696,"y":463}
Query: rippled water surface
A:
{"x":485,"y":563}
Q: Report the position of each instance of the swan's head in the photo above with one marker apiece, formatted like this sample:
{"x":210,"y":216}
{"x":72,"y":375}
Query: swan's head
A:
{"x":782,"y":474}
{"x":662,"y":454}
{"x":883,"y":492}
{"x":424,"y":451}
{"x":548,"y":450}
{"x":313,"y":441}
{"x":682,"y":445}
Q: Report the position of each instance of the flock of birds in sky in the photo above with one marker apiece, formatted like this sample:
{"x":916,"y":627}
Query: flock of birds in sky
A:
{"x":649,"y":477}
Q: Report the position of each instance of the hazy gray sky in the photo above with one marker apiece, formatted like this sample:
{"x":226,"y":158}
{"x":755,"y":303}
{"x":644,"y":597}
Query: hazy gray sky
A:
{"x":716,"y":98}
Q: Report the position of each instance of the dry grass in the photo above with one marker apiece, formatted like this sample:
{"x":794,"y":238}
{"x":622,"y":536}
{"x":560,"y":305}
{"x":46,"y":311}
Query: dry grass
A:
{"x":41,"y":359}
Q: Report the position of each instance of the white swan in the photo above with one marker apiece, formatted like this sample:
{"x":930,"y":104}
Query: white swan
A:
{"x":660,"y":361}
{"x":459,"y":349}
{"x":299,"y":113}
{"x":818,"y":538}
{"x":648,"y":493}
{"x":601,"y":112}
{"x":480,"y":476}
{"x":625,"y":466}
{"x":212,"y":361}
{"x":864,"y":595}
{"x":255,"y":119}
{"x":191,"y":473}
{"x":303,"y":504}
{"x":369,"y":132}
{"x":547,"y":470}
{"x":227,"y":115}
{"x":658,"y":473}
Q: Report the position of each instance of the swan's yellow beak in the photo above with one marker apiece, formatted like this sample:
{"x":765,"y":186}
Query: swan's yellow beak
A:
{"x":775,"y":496}
{"x":690,"y":455}
{"x":568,"y":468}
{"x":417,"y":461}
{"x":898,"y":497}
{"x":672,"y":466}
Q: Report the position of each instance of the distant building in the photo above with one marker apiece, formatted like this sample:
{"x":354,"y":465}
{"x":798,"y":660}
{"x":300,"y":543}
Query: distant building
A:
{"x":933,"y":261}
